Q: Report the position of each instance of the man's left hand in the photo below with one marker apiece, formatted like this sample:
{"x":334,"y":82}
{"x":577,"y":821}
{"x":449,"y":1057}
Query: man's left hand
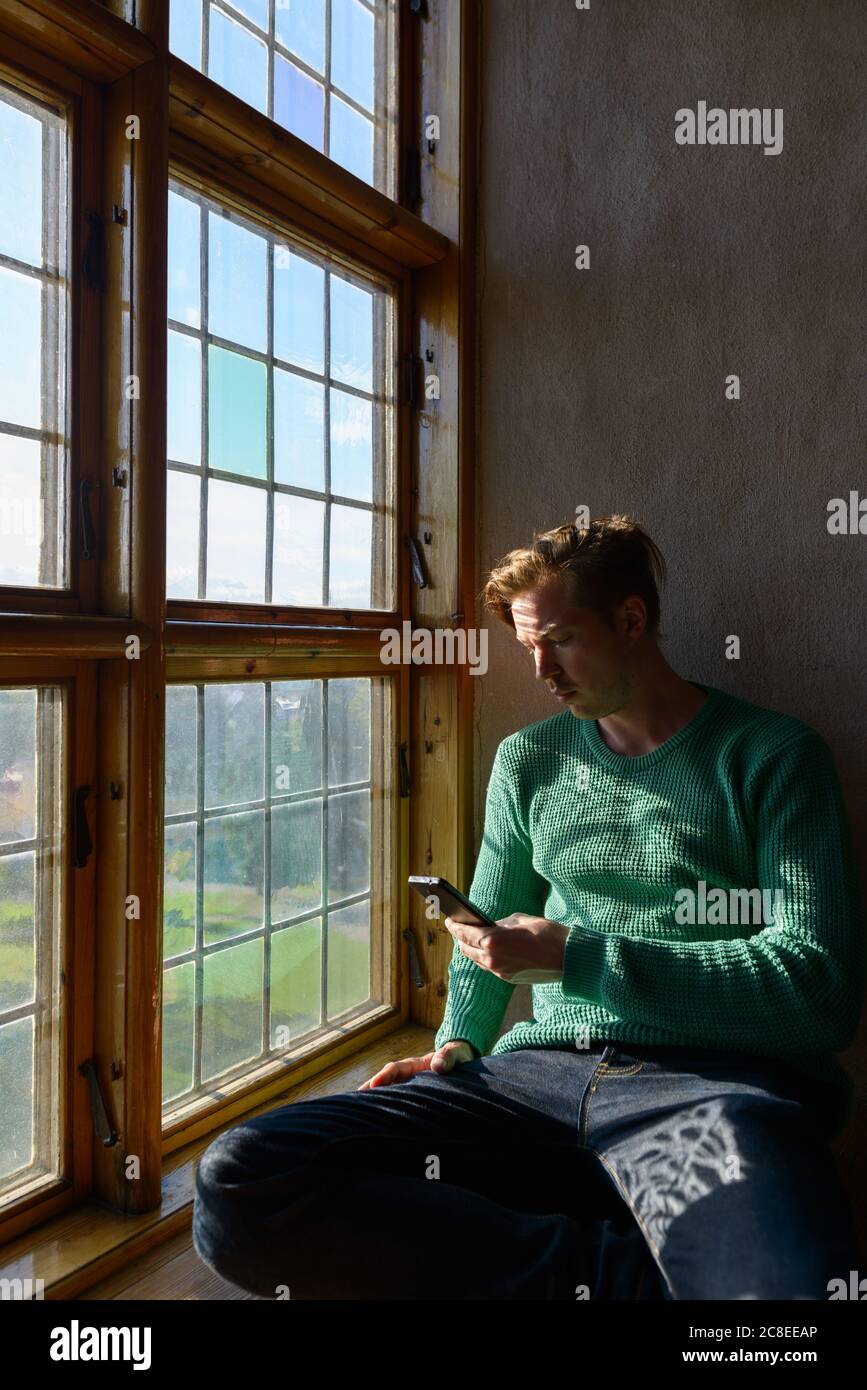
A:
{"x":519,"y":949}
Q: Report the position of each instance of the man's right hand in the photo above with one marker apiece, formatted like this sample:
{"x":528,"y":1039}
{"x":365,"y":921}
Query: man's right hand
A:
{"x":442,"y":1059}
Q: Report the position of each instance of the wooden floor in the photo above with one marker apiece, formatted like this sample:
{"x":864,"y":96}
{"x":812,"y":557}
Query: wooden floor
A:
{"x":171,"y":1271}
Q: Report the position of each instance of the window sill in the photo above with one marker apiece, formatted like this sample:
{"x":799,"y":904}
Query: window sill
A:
{"x":88,"y":1242}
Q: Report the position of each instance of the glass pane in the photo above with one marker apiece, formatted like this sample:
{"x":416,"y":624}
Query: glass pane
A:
{"x":237,"y":413}
{"x":296,"y":859}
{"x":351,"y":445}
{"x":31,"y":878}
{"x":184,"y":261}
{"x":348,"y":957}
{"x":233,"y":1004}
{"x":234,"y":875}
{"x":17,"y":765}
{"x":234,"y":744}
{"x":182,"y":547}
{"x":298,"y":527}
{"x":237,"y":274}
{"x":17,"y":1073}
{"x":351,"y":140}
{"x":359,"y":74}
{"x":348,"y":844}
{"x":17,"y":943}
{"x":352,"y":56}
{"x":34,"y":442}
{"x":301,"y":29}
{"x":184,"y":424}
{"x":179,"y":993}
{"x":348,"y":730}
{"x":296,"y":982}
{"x":185,"y":31}
{"x":256,"y":10}
{"x":351,"y":334}
{"x":299,"y":431}
{"x":179,"y":889}
{"x":237,"y":60}
{"x":236,"y":542}
{"x":180,"y":749}
{"x":296,"y":736}
{"x":299,"y":103}
{"x":349,"y":576}
{"x":299,"y":310}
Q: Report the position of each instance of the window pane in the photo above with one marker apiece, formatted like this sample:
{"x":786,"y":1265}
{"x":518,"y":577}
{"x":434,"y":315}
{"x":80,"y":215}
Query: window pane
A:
{"x":182,"y":557}
{"x":236,"y":543}
{"x":299,"y":102}
{"x":30,"y":941}
{"x":34,"y":428}
{"x":301,"y":29}
{"x":357,"y":78}
{"x":303,"y":405}
{"x":352,"y":55}
{"x":295,"y":862}
{"x":184,"y":260}
{"x":237,"y":60}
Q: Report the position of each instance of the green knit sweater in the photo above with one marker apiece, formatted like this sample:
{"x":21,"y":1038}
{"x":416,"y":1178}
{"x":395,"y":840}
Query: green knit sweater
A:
{"x":740,"y":798}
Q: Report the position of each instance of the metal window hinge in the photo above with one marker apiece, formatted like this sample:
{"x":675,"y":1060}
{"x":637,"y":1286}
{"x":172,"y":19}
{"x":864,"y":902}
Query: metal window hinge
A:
{"x":418,"y":978}
{"x":88,"y":536}
{"x":81,"y":841}
{"x":418,"y":7}
{"x":101,"y":1125}
{"x":403,"y":770}
{"x":418,"y":573}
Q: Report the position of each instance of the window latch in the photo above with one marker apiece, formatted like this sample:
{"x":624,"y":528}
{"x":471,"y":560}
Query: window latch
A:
{"x":101,"y":1125}
{"x":81,"y":841}
{"x":418,"y":978}
{"x":418,"y":573}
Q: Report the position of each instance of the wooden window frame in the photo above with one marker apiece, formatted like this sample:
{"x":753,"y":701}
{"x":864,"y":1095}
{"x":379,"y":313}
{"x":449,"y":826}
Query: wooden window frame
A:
{"x":219,"y":145}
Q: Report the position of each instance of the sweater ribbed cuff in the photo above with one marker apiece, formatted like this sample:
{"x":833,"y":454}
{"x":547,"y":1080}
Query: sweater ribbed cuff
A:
{"x":584,"y":965}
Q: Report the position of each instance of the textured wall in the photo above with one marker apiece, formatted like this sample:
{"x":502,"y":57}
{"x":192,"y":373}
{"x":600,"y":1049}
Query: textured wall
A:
{"x":606,"y":386}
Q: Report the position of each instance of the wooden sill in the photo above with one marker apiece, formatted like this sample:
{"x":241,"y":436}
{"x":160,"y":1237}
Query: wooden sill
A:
{"x":85,"y":1244}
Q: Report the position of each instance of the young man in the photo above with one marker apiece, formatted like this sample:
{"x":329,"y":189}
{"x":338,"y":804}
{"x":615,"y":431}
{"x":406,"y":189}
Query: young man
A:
{"x":670,"y":866}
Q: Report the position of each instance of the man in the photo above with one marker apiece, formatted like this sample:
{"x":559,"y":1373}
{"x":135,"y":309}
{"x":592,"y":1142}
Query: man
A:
{"x":660,"y":1126}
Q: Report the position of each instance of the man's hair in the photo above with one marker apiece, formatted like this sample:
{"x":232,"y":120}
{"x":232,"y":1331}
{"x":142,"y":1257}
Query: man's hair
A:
{"x":604,"y":563}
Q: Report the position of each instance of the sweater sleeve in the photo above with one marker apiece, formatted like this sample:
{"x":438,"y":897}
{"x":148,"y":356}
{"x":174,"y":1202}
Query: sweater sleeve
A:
{"x":504,"y":882}
{"x":796,"y":985}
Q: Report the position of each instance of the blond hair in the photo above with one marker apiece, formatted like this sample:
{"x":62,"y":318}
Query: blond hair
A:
{"x":604,"y":562}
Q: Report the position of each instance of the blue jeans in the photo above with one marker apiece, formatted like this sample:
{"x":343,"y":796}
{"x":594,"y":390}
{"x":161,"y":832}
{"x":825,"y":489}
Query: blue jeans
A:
{"x":614,"y":1172}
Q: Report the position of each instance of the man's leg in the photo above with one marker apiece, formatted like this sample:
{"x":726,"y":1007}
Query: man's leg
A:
{"x":727,"y":1170}
{"x":464,"y":1186}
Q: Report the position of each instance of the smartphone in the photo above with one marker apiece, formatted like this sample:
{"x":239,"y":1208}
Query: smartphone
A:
{"x":452,"y":903}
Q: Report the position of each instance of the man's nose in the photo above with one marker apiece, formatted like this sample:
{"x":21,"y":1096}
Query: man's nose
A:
{"x":546,"y":667}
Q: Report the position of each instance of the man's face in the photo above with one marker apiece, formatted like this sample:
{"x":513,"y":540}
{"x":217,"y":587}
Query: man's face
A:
{"x":575,"y":652}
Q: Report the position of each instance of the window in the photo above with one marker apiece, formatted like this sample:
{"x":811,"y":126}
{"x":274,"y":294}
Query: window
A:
{"x":31,"y":779}
{"x":217,"y":481}
{"x":323,"y":69}
{"x":34,"y":434}
{"x":281,"y":434}
{"x":276,"y":902}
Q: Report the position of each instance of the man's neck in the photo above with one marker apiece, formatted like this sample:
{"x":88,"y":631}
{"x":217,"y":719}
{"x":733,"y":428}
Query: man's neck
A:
{"x":656,"y":711}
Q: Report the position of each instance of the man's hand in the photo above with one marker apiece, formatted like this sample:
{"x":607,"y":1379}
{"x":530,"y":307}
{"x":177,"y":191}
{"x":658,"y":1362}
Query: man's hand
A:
{"x":519,"y":949}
